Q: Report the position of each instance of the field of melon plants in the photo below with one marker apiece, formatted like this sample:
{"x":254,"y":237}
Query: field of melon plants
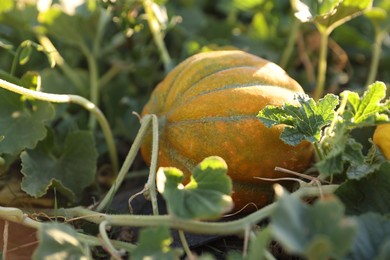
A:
{"x":194,"y":129}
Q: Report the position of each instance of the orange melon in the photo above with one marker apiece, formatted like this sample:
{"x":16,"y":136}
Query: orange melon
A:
{"x":207,"y":106}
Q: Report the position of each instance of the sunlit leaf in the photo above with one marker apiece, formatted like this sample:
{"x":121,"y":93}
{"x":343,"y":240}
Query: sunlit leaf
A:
{"x":368,"y":109}
{"x":71,"y":22}
{"x":31,"y":80}
{"x":70,"y":170}
{"x":22,"y":124}
{"x":379,"y":15}
{"x":320,"y":231}
{"x":59,"y":241}
{"x":206,"y":196}
{"x":6,"y":5}
{"x":329,"y":14}
{"x":303,"y":121}
{"x":154,"y":243}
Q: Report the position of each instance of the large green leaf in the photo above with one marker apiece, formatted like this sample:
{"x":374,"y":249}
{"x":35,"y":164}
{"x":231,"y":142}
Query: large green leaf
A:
{"x":371,"y":193}
{"x":303,"y":121}
{"x":154,"y":244}
{"x":6,"y":5}
{"x":22,"y":123}
{"x":72,"y":22}
{"x":369,"y":108}
{"x":320,"y":231}
{"x":380,"y":15}
{"x":70,"y":170}
{"x":329,"y":14}
{"x":206,"y":196}
{"x":373,"y":237}
{"x":59,"y":241}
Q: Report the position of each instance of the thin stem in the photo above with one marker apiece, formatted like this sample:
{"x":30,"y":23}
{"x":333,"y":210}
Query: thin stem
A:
{"x":94,"y":241}
{"x":185,"y":245}
{"x":107,"y":244}
{"x":5,"y":238}
{"x":322,"y":63}
{"x":155,"y":28}
{"x":376,"y":54}
{"x":112,"y":73}
{"x":127,"y":163}
{"x":151,"y":183}
{"x":339,"y":113}
{"x":193,"y":226}
{"x":16,"y":215}
{"x":64,"y":98}
{"x":290,"y":43}
{"x":59,"y":60}
{"x":318,"y":150}
{"x":93,"y":81}
{"x":15,"y":60}
{"x":104,"y":18}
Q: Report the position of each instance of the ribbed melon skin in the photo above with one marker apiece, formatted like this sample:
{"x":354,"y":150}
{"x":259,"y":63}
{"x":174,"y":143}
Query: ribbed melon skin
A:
{"x":207,"y":106}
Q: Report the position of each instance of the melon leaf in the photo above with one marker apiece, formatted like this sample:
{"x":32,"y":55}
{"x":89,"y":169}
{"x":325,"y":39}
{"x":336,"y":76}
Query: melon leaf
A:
{"x":373,"y":237}
{"x":22,"y":126}
{"x":303,"y":121}
{"x":320,"y":231}
{"x":328,"y":15}
{"x":154,"y":243}
{"x":59,"y":239}
{"x":206,"y":196}
{"x":368,"y":109}
{"x":369,"y":194}
{"x":70,"y":170}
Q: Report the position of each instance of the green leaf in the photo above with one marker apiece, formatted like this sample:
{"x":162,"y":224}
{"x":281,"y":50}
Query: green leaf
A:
{"x":59,"y":241}
{"x":70,"y":170}
{"x":154,"y":243}
{"x":6,"y":5}
{"x":371,"y":193}
{"x":379,"y":15}
{"x":373,"y":237}
{"x":368,"y":109}
{"x":320,"y":231}
{"x":206,"y":196}
{"x":25,"y":52}
{"x":258,"y":246}
{"x":372,"y":162}
{"x":31,"y":80}
{"x":5,"y":44}
{"x":304,"y":121}
{"x":329,"y":14}
{"x":22,"y":126}
{"x":72,"y":22}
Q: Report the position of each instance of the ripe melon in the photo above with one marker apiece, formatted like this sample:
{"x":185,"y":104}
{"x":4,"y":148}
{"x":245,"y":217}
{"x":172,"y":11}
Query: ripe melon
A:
{"x":207,"y":106}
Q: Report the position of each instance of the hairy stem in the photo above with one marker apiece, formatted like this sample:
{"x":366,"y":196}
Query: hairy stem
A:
{"x":59,"y":60}
{"x":155,"y":28}
{"x":376,"y":54}
{"x":290,"y":43}
{"x":93,"y":81}
{"x":185,"y":245}
{"x":127,"y":163}
{"x":322,"y":63}
{"x":63,"y":98}
{"x":193,"y":226}
{"x":18,"y":216}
